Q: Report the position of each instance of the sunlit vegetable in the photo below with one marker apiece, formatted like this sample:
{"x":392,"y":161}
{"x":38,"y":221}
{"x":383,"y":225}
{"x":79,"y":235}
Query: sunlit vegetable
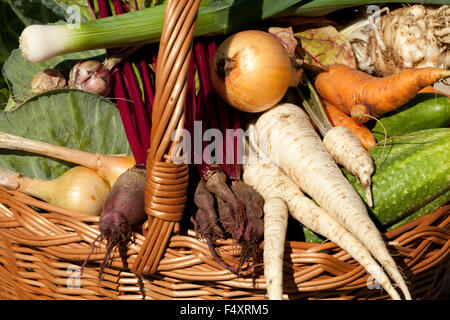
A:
{"x":79,"y":189}
{"x":252,"y":70}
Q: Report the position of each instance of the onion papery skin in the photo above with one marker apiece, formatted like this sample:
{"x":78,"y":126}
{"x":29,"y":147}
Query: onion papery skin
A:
{"x":251,"y":71}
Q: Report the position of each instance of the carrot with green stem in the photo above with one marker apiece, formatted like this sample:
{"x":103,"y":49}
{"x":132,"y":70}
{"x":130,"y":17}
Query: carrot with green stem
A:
{"x":271,"y":182}
{"x":286,"y":135}
{"x":365,"y":97}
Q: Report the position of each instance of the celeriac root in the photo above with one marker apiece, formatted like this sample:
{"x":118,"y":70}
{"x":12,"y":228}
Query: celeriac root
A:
{"x":414,"y":36}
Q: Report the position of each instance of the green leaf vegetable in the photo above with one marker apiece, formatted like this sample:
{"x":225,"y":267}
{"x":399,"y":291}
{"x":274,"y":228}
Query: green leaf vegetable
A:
{"x":66,"y":117}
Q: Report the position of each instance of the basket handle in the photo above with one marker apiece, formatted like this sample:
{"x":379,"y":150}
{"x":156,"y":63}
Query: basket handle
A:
{"x":166,"y":186}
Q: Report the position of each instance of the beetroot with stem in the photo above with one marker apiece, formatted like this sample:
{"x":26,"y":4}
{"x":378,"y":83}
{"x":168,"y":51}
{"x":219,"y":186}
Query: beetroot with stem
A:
{"x":123,"y":210}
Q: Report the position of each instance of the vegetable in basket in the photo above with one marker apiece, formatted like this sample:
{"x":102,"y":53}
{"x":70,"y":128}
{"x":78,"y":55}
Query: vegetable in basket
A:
{"x":424,"y":111}
{"x":47,"y":79}
{"x":42,"y":42}
{"x":364,"y":96}
{"x":300,"y":153}
{"x":412,"y":171}
{"x":80,"y":189}
{"x":409,"y":37}
{"x":270,"y":181}
{"x":339,"y":118}
{"x":226,"y":205}
{"x":109,"y":167}
{"x":123,"y":210}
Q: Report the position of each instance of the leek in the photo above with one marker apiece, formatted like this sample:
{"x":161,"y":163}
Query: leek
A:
{"x":42,"y":42}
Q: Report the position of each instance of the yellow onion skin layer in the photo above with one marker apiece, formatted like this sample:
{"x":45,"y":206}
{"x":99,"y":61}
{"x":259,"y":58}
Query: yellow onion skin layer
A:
{"x":251,"y":71}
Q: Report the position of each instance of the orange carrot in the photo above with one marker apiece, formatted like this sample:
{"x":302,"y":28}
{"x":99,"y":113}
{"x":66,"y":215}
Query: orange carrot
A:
{"x":339,"y":118}
{"x":362,"y":95}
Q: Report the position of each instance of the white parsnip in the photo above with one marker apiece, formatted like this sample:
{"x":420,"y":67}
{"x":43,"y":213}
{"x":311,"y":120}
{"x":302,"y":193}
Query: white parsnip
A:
{"x":271,"y":182}
{"x":300,"y":153}
{"x":346,"y":149}
{"x":275,"y":226}
{"x":342,"y":144}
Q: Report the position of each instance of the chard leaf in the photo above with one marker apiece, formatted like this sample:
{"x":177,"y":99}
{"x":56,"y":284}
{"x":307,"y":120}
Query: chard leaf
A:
{"x":68,"y":117}
{"x":286,"y":37}
{"x":324,"y":46}
{"x":18,"y":71}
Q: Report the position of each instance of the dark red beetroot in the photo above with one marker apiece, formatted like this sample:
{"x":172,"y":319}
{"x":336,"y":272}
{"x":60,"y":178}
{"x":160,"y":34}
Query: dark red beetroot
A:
{"x":240,"y":214}
{"x":123,"y":210}
{"x":206,"y":219}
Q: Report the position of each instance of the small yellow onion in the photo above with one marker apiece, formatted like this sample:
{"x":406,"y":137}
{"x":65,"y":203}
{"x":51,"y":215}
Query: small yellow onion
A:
{"x":79,"y":188}
{"x":251,"y":70}
{"x":46,"y":80}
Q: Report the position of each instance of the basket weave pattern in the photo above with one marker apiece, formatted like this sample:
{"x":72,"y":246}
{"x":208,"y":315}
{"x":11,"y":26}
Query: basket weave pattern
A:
{"x":40,"y":253}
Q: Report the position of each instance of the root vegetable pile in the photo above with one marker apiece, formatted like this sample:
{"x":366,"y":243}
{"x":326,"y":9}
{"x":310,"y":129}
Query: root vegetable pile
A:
{"x":226,"y":206}
{"x":301,"y":154}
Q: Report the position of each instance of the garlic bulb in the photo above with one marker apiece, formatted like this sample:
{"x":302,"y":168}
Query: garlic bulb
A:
{"x":90,"y":76}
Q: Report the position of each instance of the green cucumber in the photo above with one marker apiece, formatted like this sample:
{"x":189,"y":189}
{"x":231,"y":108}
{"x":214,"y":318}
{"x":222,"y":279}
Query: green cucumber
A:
{"x":424,"y":111}
{"x":441,"y":200}
{"x":410,"y":173}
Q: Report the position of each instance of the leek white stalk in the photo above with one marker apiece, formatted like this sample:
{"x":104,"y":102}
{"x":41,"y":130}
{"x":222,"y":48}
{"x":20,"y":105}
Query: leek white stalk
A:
{"x":79,"y":188}
{"x":39,"y":43}
{"x":110,"y":167}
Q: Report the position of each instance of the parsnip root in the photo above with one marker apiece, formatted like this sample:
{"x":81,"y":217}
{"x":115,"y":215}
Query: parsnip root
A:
{"x":301,"y":154}
{"x":275,"y":226}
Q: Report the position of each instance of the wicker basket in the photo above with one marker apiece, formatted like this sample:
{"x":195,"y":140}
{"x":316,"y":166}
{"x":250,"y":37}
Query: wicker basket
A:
{"x":42,"y":246}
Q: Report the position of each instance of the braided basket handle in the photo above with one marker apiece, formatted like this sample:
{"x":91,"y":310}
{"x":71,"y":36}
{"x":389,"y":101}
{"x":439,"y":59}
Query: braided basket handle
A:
{"x":167,"y":182}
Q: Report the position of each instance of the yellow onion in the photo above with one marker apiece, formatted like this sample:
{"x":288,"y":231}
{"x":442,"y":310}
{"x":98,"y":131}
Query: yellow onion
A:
{"x":80,"y":189}
{"x":251,"y":70}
